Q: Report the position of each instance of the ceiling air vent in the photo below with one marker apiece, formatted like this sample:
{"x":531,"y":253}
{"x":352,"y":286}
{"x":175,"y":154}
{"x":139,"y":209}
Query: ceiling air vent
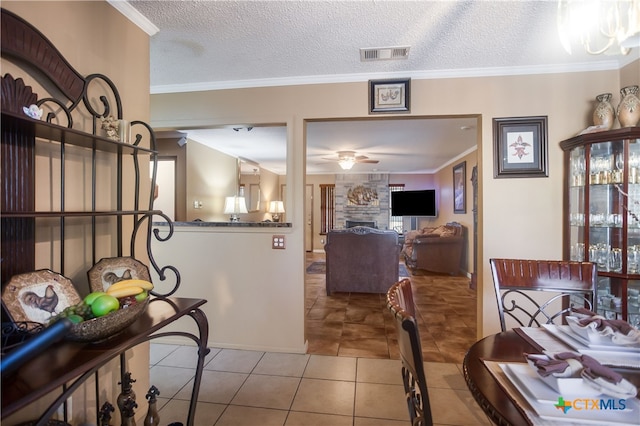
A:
{"x":384,"y":53}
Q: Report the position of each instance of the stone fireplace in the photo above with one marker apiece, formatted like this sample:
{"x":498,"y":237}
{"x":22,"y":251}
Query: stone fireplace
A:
{"x":362,"y":198}
{"x":352,"y":223}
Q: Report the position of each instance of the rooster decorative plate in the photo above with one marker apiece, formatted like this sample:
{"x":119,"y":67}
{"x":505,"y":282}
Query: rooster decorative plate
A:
{"x":37,"y":296}
{"x":110,"y":270}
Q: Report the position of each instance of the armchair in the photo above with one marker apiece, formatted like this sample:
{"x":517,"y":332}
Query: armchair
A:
{"x":361,"y":260}
{"x":436,"y":249}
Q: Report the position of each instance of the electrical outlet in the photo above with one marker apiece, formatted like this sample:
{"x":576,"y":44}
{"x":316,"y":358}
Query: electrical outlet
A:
{"x":277,"y":242}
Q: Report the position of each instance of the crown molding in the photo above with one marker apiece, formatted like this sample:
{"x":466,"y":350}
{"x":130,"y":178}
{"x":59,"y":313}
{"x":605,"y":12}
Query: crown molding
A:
{"x":605,"y":65}
{"x":132,"y":14}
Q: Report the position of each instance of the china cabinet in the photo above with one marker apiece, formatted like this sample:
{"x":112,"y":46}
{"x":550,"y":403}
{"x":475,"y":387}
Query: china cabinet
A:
{"x":99,"y":209}
{"x":602,"y":215}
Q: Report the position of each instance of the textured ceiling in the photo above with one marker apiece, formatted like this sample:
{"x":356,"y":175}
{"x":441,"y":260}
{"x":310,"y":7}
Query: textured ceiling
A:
{"x":208,"y":45}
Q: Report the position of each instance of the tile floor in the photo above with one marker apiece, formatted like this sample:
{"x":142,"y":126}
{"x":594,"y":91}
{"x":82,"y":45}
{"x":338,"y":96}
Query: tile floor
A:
{"x":360,"y":325}
{"x":351,"y":374}
{"x":262,"y":388}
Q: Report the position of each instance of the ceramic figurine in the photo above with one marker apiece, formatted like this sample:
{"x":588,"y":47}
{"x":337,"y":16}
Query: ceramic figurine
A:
{"x":33,"y":111}
{"x":110,"y":125}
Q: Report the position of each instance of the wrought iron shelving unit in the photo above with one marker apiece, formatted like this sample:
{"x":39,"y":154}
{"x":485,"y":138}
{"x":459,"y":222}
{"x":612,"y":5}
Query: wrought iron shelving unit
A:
{"x":126,"y":219}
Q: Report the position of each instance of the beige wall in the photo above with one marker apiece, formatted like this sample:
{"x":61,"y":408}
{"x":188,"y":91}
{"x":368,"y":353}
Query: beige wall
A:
{"x":211,"y":176}
{"x":517,"y":217}
{"x":94,"y":38}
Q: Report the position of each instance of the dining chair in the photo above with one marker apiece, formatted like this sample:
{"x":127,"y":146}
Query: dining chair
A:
{"x":400,"y":303}
{"x":517,"y":282}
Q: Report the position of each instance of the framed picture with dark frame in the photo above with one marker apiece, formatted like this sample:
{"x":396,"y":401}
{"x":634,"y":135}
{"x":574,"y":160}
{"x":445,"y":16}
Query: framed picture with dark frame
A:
{"x":460,"y":188}
{"x":520,"y":147}
{"x":389,"y":96}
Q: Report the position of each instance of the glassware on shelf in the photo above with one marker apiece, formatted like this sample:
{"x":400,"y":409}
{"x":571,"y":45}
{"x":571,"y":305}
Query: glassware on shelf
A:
{"x":633,"y":256}
{"x":633,"y":300}
{"x":577,"y":219}
{"x":577,"y":252}
{"x":596,"y":219}
{"x":615,"y":260}
{"x":634,"y":163}
{"x":614,"y":220}
{"x":578,"y":167}
{"x":599,"y":254}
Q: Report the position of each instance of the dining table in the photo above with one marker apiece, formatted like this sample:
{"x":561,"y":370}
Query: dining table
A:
{"x":496,"y":395}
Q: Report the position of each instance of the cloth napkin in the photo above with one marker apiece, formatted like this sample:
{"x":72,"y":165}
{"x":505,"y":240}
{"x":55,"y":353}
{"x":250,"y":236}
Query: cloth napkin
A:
{"x":584,"y":312}
{"x":568,"y":364}
{"x":588,"y":317}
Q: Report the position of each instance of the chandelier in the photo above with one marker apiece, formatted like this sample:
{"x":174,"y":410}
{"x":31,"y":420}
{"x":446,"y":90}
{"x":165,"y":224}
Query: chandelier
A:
{"x":599,"y":24}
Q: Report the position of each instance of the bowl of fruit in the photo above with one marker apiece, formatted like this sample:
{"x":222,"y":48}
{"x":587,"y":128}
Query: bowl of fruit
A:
{"x":102,"y":315}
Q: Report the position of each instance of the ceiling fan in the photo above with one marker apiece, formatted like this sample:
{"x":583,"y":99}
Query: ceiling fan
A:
{"x":346,"y":159}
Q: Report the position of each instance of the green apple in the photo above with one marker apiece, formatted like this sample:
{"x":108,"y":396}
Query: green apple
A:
{"x":141,"y":296}
{"x":91,"y":297}
{"x":104,"y":304}
{"x":74,"y":318}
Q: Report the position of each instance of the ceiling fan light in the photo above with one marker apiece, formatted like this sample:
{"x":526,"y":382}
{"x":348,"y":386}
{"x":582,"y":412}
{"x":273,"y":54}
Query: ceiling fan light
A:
{"x":346,"y":163}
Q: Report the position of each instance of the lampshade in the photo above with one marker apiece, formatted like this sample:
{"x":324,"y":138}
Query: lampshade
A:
{"x":234,"y":206}
{"x":276,"y":207}
{"x":347,"y":163}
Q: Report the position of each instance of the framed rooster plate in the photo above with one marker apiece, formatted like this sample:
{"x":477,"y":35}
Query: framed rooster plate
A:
{"x":37,"y":296}
{"x":110,"y":270}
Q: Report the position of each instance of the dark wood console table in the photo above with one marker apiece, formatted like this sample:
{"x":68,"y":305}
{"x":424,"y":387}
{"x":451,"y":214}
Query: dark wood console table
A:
{"x":73,"y":363}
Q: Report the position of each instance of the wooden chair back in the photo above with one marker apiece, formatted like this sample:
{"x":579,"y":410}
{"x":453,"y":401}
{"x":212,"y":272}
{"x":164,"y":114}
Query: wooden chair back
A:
{"x":400,"y":303}
{"x":573,"y":282}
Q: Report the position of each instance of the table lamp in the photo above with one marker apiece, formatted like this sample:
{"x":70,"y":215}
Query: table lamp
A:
{"x":275,"y":208}
{"x":233,"y":206}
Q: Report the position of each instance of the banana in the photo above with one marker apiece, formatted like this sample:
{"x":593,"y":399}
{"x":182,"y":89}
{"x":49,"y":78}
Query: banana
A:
{"x":124,"y":291}
{"x":146,"y":285}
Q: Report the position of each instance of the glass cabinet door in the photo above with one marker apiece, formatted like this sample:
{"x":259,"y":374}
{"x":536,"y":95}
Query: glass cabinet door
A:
{"x":606,"y":206}
{"x":633,"y":210}
{"x":577,"y":182}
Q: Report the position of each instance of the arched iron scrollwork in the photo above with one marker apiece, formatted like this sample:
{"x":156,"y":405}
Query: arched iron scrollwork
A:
{"x":106,"y":105}
{"x":527,"y":312}
{"x":51,"y":115}
{"x":161,"y":271}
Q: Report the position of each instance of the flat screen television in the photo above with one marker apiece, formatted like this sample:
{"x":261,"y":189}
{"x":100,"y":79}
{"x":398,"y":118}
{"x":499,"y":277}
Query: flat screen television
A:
{"x":414,"y":203}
